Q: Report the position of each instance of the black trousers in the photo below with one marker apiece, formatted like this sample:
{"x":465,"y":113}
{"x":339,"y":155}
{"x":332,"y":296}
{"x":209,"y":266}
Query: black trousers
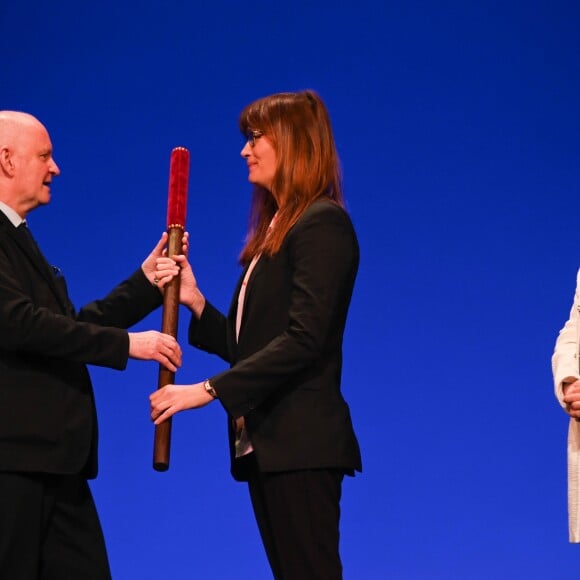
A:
{"x":49,"y":529}
{"x":298,"y":515}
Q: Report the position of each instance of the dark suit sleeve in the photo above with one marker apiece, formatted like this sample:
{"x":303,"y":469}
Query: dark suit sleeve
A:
{"x":124,"y":306}
{"x":209,"y":333}
{"x":323,"y":258}
{"x":26,"y":328}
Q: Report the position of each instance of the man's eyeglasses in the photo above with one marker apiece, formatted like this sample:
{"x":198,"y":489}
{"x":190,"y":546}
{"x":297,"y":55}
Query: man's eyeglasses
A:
{"x":252,"y":136}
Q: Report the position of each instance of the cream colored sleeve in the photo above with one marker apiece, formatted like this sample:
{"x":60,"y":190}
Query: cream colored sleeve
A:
{"x":565,"y":358}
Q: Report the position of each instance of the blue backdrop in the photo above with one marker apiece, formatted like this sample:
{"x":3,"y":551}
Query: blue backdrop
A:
{"x":458,"y":128}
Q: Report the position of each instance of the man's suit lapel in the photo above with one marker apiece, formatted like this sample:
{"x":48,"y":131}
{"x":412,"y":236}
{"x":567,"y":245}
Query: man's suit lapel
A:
{"x":35,"y":257}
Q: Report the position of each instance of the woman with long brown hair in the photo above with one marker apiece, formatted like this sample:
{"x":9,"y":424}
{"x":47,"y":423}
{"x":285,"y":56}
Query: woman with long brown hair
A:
{"x":291,"y":435}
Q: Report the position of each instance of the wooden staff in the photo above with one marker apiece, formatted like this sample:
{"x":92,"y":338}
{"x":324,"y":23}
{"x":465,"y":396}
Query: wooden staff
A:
{"x":176,"y":210}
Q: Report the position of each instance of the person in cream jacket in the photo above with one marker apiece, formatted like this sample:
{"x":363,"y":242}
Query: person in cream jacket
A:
{"x":565,"y":367}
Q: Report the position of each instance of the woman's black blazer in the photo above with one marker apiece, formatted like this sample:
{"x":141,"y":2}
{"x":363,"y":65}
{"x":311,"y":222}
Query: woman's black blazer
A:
{"x":285,"y":375}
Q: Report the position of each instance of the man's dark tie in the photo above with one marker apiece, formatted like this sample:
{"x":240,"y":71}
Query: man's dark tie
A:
{"x":53,"y":272}
{"x":27,"y":236}
{"x":31,"y":242}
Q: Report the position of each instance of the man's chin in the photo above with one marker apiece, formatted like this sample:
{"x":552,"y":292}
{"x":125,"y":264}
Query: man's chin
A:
{"x":44,"y":200}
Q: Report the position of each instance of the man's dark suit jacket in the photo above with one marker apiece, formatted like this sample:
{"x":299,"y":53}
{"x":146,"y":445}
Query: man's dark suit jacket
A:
{"x":286,"y":366}
{"x":47,"y":413}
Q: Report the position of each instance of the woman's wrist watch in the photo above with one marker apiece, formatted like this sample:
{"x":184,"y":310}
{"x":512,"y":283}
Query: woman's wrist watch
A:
{"x":209,"y":389}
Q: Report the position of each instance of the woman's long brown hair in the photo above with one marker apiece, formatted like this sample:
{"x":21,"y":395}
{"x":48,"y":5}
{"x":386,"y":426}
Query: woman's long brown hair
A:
{"x":307,"y":165}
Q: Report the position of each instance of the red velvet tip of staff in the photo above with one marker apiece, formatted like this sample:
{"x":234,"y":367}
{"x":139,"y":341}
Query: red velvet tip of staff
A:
{"x":178,"y":177}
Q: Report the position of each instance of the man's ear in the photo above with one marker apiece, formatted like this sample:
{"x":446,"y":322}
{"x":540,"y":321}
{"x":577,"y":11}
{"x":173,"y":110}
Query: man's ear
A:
{"x":6,"y":162}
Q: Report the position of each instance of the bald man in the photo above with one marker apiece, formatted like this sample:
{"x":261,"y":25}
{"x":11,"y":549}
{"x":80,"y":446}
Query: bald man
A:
{"x":49,"y":527}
